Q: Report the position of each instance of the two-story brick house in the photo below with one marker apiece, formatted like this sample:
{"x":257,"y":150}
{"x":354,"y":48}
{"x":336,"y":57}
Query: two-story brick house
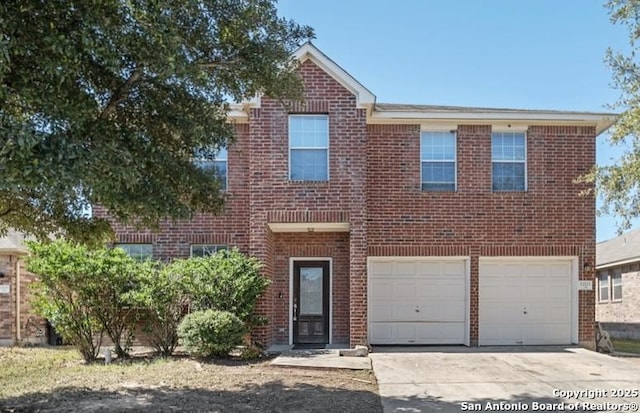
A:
{"x":404,"y":224}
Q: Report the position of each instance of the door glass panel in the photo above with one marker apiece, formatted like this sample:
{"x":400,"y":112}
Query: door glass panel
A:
{"x":311,"y":290}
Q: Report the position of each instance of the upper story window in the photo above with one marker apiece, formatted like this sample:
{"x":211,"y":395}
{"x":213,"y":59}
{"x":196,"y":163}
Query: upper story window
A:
{"x":309,"y":147}
{"x":509,"y":161}
{"x":202,"y":250}
{"x":139,"y":252}
{"x":438,"y":159}
{"x":217,"y":163}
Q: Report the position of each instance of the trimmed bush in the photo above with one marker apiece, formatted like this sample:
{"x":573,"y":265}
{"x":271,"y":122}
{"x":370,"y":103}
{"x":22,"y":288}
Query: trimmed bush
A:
{"x":211,"y":333}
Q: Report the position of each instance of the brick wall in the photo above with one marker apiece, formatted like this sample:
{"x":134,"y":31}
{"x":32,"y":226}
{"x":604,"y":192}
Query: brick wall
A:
{"x":550,"y":218}
{"x":32,"y":327}
{"x":375,"y":186}
{"x":323,"y":244}
{"x":621,"y":319}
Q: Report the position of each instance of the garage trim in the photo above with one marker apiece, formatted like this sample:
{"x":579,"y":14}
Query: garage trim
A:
{"x":574,"y":282}
{"x":467,"y":280}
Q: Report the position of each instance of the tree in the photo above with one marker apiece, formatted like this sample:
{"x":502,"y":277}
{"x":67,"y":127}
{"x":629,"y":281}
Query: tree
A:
{"x":104,"y":102}
{"x":619,"y":184}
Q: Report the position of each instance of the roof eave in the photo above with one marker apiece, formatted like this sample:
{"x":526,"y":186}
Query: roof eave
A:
{"x":601,"y":122}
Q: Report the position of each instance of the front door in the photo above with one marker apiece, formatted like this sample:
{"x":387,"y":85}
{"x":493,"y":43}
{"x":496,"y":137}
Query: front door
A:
{"x":310,"y":302}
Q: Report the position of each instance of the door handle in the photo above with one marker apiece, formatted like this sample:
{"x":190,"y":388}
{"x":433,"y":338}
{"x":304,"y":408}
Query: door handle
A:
{"x":295,"y":311}
{"x":524,"y":311}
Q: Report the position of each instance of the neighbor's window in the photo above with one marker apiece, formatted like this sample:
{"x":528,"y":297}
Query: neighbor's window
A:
{"x":201,"y":250}
{"x":309,"y":147}
{"x":616,"y":285}
{"x":508,"y":161}
{"x":438,"y":158}
{"x":603,"y":286}
{"x":139,"y":252}
{"x":214,"y":161}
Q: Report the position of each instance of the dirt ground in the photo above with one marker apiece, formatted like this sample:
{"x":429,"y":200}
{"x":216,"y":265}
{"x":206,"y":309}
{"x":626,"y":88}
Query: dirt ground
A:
{"x":54,"y":380}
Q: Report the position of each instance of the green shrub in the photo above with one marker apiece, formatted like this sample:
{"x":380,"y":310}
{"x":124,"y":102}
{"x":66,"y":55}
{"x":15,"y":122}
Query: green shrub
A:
{"x":211,"y":333}
{"x":161,"y":295}
{"x":226,"y":281}
{"x":84,"y":293}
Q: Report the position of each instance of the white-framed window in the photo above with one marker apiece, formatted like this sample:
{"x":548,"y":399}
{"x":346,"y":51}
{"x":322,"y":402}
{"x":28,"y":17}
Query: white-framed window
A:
{"x":610,"y":285}
{"x":215,"y":161}
{"x":603,"y":286}
{"x":509,"y":161}
{"x":139,"y":252}
{"x":438,"y":161}
{"x":308,"y":147}
{"x":204,"y":250}
{"x":616,"y":285}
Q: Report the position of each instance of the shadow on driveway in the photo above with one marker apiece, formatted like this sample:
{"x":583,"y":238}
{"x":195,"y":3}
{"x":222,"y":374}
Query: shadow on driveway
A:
{"x":269,"y":397}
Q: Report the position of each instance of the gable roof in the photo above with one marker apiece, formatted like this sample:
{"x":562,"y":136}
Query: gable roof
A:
{"x":624,"y":249}
{"x":364,"y":97}
{"x":433,"y":116}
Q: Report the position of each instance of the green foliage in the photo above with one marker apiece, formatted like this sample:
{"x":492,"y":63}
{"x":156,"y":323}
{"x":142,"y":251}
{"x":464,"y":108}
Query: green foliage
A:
{"x":619,"y":184}
{"x":98,"y":98}
{"x":85,"y":293}
{"x":227,"y":281}
{"x":211,"y":333}
{"x":161,"y":296}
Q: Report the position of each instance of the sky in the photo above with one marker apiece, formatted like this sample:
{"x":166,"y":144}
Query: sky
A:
{"x":524,"y":54}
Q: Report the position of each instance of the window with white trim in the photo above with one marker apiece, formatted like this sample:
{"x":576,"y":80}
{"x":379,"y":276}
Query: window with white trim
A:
{"x":603,"y":286}
{"x":215,"y":161}
{"x":204,"y":250}
{"x":509,"y":161}
{"x":616,"y":285}
{"x":438,"y":161}
{"x":309,"y":147}
{"x":139,"y":252}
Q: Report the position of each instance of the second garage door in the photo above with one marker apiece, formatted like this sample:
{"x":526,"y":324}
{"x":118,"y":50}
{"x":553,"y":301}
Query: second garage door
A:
{"x":417,"y":301}
{"x":525,"y":302}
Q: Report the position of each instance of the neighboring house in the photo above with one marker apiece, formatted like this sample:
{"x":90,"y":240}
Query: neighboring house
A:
{"x":18,"y":322}
{"x":404,"y":224}
{"x":618,"y":286}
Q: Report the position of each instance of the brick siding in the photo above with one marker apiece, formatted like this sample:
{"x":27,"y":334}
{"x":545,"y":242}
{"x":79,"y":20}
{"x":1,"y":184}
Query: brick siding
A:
{"x":375,"y":186}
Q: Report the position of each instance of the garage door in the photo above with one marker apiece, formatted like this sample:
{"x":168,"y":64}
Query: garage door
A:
{"x":525,"y":302}
{"x":417,"y":301}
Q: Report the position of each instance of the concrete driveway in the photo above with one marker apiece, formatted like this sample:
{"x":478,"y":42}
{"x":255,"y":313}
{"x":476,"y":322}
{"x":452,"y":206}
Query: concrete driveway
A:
{"x":455,"y":379}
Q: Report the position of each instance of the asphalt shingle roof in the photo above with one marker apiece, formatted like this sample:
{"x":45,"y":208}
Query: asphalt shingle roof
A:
{"x":626,"y":247}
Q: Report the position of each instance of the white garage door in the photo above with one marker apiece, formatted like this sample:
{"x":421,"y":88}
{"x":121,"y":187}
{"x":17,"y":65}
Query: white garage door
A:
{"x":525,"y":302}
{"x":417,"y":301}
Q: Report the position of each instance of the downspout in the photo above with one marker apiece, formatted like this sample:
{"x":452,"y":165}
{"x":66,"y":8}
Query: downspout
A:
{"x":18,"y":332}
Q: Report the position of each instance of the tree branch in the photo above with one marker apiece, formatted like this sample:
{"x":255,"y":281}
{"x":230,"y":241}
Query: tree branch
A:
{"x":6,"y":212}
{"x":120,"y":94}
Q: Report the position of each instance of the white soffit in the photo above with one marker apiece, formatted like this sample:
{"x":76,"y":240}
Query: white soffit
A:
{"x":517,"y":119}
{"x":308,"y":226}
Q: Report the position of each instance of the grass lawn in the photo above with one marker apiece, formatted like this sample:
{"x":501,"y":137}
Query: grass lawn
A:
{"x":626,"y":346}
{"x":56,"y":379}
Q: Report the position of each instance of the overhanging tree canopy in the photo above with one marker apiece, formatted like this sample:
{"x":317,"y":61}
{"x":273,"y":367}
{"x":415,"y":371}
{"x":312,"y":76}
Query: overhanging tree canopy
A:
{"x":103,"y":102}
{"x":619,"y":184}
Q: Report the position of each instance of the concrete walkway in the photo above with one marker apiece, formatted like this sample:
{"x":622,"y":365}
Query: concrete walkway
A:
{"x":321,"y":359}
{"x":454,"y":379}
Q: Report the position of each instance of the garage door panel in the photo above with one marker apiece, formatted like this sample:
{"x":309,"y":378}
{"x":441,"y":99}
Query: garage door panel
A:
{"x":525,"y":302}
{"x":424,"y":302}
{"x":405,"y":269}
{"x":416,"y":333}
